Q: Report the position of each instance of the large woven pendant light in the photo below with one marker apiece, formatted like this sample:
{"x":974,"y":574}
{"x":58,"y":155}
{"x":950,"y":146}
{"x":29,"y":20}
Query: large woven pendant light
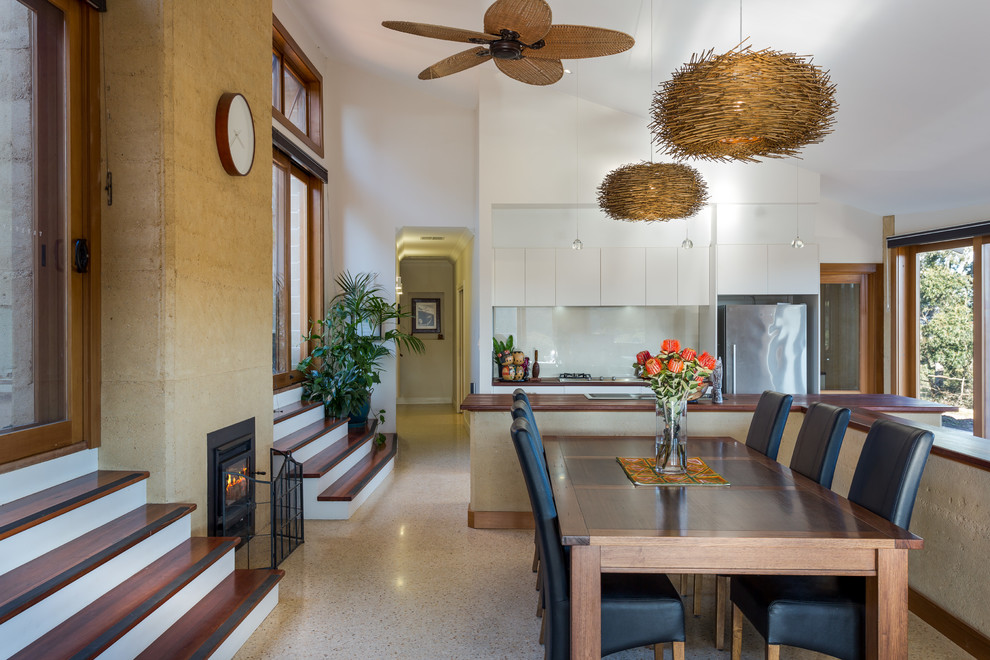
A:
{"x":742,"y":105}
{"x":652,"y":191}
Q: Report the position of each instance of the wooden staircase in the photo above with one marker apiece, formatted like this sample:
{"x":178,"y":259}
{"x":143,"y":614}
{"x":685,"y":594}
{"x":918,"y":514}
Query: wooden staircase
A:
{"x":89,"y":569}
{"x":341,"y":467}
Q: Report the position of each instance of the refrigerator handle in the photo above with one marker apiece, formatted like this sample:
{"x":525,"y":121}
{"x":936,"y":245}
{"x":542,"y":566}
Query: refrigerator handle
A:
{"x":733,"y":368}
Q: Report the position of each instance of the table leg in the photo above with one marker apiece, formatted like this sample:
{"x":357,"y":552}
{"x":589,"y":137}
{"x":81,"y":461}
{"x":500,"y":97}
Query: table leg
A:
{"x":887,"y":607}
{"x":586,"y":602}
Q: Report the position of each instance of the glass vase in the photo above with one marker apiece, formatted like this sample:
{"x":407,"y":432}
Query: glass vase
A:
{"x":671,"y":442}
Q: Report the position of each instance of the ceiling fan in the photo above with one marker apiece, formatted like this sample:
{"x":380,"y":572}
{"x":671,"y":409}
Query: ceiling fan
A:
{"x":520,"y":38}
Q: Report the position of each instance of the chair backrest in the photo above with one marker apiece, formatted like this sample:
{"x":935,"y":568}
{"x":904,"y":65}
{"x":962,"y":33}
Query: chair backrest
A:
{"x":519,"y":394}
{"x":768,"y":423}
{"x":889,"y":470}
{"x":818,"y":442}
{"x":555,"y":579}
{"x":522,"y":409}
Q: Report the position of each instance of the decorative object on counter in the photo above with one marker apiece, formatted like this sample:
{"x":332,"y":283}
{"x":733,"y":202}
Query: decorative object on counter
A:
{"x":536,"y":364}
{"x":642,"y":473}
{"x":502,"y":350}
{"x":349,"y":344}
{"x":743,"y":104}
{"x":717,"y":382}
{"x":646,"y":192}
{"x":675,"y":375}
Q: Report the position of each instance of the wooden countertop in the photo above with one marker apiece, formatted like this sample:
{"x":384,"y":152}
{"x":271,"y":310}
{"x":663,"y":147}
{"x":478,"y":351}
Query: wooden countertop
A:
{"x":875,"y":403}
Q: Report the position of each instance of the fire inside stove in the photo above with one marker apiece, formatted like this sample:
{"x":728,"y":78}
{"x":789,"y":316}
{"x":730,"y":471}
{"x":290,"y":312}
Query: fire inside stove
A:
{"x":236,"y":487}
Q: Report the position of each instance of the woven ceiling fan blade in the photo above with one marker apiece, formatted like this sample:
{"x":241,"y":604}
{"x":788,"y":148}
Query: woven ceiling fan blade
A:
{"x":438,"y":31}
{"x":570,"y":42}
{"x":455,"y":63}
{"x":532,"y":72}
{"x":530,"y":18}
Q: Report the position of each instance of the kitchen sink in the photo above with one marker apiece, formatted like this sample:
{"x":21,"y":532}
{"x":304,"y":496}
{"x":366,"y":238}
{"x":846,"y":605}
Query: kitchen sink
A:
{"x":617,"y":396}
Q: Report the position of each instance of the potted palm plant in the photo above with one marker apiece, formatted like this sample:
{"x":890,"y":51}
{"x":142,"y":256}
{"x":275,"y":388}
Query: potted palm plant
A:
{"x":348,"y":346}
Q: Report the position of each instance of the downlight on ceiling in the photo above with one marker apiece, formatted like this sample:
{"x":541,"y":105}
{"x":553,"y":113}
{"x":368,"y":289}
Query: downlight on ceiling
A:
{"x":742,"y":105}
{"x":652,"y":191}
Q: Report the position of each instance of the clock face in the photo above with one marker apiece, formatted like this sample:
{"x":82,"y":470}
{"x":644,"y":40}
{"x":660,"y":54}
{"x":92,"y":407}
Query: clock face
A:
{"x":235,"y":134}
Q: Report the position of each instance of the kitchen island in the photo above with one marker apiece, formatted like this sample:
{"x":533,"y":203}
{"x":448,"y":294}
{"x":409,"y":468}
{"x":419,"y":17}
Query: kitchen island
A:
{"x":498,"y":493}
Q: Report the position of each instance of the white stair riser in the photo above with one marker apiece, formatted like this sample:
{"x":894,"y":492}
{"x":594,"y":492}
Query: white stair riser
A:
{"x":21,"y":483}
{"x":287,"y":397}
{"x":316,"y":446}
{"x":250,"y":623}
{"x":32,"y":623}
{"x":293,"y":424}
{"x":142,"y":635}
{"x":313,"y":487}
{"x":316,"y":510}
{"x":44,"y":537}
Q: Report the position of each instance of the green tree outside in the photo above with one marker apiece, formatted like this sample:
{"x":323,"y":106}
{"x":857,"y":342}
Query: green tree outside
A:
{"x":946,"y":326}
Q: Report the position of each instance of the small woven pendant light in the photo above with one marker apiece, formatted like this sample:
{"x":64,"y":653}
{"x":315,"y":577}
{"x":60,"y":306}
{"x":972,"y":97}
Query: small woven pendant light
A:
{"x":742,"y":105}
{"x":652,"y":191}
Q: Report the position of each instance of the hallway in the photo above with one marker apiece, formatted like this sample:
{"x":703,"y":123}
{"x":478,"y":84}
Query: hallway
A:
{"x":406,"y":577}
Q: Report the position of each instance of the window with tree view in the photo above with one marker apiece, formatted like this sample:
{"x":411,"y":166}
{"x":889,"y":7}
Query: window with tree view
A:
{"x":945,"y":331}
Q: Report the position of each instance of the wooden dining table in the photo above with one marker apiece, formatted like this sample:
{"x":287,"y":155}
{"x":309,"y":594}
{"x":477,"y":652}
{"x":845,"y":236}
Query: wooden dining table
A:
{"x":769,"y":520}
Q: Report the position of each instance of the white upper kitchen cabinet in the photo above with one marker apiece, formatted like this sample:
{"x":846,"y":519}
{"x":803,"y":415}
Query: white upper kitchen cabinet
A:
{"x":623,"y":276}
{"x":541,"y":274}
{"x":693,"y":276}
{"x":742,"y":269}
{"x":579,"y":275}
{"x":510,"y":277}
{"x":661,"y":276}
{"x":791,"y":270}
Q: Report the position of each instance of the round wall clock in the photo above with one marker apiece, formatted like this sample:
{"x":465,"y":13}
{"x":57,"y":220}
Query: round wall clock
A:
{"x":235,"y":134}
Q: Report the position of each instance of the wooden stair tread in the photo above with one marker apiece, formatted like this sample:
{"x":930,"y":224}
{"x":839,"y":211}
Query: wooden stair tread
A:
{"x":34,"y":509}
{"x":350,"y":485}
{"x":290,"y":410}
{"x":307,"y":434}
{"x":89,"y":632}
{"x":40,"y":577}
{"x":326,"y":460}
{"x":204,"y":628}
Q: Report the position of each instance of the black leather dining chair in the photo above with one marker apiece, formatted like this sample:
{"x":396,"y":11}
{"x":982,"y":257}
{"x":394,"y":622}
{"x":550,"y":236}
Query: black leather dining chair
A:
{"x":816,"y":449}
{"x":767,"y":425}
{"x":828,"y":613}
{"x":637,"y":609}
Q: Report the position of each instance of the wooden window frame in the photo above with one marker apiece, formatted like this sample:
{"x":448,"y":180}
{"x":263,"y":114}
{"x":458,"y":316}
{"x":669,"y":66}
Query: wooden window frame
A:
{"x":311,"y":255}
{"x":81,"y":429}
{"x":905,"y":300}
{"x":292,"y":57}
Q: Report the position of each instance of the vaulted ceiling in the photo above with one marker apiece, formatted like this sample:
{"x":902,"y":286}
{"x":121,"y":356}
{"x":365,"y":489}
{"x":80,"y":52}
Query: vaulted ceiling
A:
{"x":913,"y":76}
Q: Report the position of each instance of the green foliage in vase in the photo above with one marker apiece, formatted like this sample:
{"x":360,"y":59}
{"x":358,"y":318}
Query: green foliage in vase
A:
{"x":349,"y":344}
{"x":501,"y":347}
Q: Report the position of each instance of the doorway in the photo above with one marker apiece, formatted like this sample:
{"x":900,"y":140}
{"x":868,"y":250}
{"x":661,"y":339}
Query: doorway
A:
{"x":851,"y":328}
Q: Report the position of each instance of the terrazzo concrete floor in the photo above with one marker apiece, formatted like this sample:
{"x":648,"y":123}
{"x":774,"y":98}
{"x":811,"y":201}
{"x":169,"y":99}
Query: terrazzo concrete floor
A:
{"x":406,"y":577}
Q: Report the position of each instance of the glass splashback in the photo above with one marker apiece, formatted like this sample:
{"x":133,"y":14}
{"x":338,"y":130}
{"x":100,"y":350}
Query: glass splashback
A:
{"x":600,"y":341}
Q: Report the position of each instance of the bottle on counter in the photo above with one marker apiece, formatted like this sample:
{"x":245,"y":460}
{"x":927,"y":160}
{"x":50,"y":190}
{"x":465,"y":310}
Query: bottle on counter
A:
{"x":535,"y":371}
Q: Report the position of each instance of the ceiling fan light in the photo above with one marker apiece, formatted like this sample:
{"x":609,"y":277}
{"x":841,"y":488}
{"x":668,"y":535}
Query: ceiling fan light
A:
{"x":645,"y":192}
{"x":742,"y":105}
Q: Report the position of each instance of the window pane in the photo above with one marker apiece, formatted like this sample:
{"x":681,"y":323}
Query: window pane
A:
{"x":295,"y":101}
{"x":279,"y":291}
{"x":840,"y":336}
{"x":945,"y":331}
{"x":298,"y":213}
{"x":276,"y":83}
{"x":33,"y":247}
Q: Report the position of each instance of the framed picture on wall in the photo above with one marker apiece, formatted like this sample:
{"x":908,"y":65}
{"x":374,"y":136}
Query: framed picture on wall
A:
{"x":426,"y":315}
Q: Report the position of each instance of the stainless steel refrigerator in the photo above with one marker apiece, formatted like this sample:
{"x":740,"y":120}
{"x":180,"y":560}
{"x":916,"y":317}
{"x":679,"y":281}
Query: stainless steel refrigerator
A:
{"x":764,"y":347}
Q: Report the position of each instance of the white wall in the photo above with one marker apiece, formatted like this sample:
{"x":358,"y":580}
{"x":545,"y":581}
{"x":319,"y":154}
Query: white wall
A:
{"x":406,"y":159}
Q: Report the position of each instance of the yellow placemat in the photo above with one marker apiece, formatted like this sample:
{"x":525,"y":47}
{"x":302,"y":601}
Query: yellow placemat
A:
{"x":640,"y":472}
